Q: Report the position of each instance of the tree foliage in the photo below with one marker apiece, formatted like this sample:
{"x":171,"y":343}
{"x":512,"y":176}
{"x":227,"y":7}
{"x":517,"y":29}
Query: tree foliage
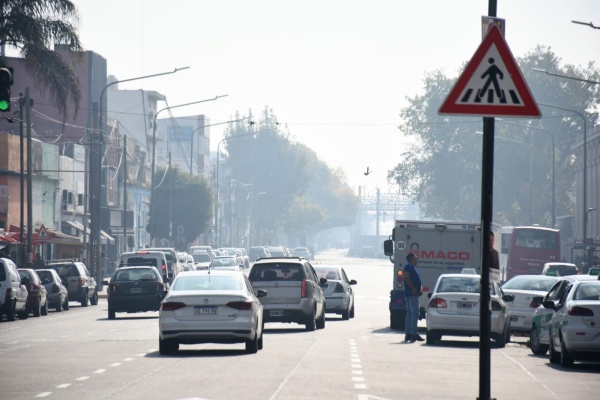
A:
{"x":441,"y":169}
{"x":32,"y":26}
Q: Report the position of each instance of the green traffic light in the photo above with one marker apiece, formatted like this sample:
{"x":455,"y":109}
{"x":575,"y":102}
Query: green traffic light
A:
{"x":4,"y":105}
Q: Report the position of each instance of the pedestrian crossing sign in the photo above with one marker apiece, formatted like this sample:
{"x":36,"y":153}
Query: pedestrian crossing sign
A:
{"x":492,"y":84}
{"x":42,"y":234}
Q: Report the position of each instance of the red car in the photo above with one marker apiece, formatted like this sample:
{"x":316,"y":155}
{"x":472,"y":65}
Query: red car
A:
{"x":37,"y":299}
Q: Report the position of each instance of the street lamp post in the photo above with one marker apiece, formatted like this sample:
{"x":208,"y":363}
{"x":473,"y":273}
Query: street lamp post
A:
{"x":553,"y":162}
{"x":97,"y":189}
{"x":153,"y":230}
{"x":201,"y":127}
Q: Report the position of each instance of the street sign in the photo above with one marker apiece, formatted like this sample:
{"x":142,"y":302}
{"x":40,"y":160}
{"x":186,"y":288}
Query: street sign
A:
{"x":42,"y":235}
{"x":492,"y":84}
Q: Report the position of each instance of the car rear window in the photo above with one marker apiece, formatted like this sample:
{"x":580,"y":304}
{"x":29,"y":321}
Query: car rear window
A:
{"x":564,"y":270}
{"x":132,"y":261}
{"x":538,"y":283}
{"x":136,"y":274}
{"x":462,"y":285}
{"x":44,"y":275}
{"x":66,"y":270}
{"x":207,"y":282}
{"x":588,"y":291}
{"x":328,"y":273}
{"x":277,"y":272}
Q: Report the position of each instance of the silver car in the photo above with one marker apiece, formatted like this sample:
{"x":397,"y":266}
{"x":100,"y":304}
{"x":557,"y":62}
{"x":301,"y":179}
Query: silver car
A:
{"x":339,"y":294}
{"x":58,"y":295}
{"x":213,"y":306}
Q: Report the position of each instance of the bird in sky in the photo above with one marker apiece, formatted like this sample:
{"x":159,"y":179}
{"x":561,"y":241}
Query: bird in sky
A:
{"x":368,"y":172}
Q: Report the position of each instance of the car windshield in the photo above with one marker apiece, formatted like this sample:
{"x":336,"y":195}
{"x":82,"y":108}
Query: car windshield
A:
{"x":223,"y":262}
{"x":588,"y":291}
{"x":564,"y":270}
{"x":328,"y":273}
{"x":44,"y":275}
{"x":136,"y":274}
{"x":207,"y":282}
{"x":459,"y":284}
{"x":276,"y":272}
{"x":201,"y":258}
{"x":533,"y":283}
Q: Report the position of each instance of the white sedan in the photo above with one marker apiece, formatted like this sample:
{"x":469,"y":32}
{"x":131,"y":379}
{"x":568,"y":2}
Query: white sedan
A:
{"x":213,"y":306}
{"x":525,"y":288}
{"x":339,"y":294}
{"x":453,"y":309}
{"x":575,"y":325}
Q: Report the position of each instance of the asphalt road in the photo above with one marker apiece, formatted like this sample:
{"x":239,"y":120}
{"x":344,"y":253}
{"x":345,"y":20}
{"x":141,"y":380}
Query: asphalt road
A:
{"x":80,"y":354}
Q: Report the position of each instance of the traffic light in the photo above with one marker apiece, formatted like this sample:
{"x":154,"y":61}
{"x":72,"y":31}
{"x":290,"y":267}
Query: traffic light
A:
{"x":6,"y":81}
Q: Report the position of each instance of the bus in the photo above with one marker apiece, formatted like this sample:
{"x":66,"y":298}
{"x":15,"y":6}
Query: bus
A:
{"x":526,"y":249}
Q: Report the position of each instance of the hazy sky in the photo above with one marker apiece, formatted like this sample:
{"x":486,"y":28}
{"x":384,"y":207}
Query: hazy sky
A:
{"x":337,"y":72}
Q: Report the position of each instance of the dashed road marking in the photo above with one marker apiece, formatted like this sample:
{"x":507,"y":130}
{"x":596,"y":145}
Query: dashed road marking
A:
{"x":63,"y":386}
{"x":128,"y":359}
{"x":82,"y":378}
{"x":115,"y":364}
{"x":99,"y":371}
{"x":44,"y":394}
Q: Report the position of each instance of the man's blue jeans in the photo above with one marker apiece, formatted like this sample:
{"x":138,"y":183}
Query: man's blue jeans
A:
{"x":412,"y":315}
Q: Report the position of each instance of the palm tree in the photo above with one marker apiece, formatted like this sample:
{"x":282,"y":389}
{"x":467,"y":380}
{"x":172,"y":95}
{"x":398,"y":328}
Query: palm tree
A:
{"x":32,"y":26}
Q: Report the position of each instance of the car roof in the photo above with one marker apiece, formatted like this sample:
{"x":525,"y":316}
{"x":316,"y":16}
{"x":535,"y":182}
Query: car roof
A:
{"x":206,"y":272}
{"x":135,"y":267}
{"x":263,"y":260}
{"x":328,"y":266}
{"x":575,"y":278}
{"x":550,"y":264}
{"x":460,"y":276}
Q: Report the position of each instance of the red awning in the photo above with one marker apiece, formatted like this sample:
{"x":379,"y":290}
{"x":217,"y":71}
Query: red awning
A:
{"x":5,"y":238}
{"x":55,"y":236}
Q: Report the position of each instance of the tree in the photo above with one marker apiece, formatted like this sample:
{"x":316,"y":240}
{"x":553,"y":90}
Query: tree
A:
{"x":32,"y":26}
{"x":181,"y":200}
{"x":441,"y":169}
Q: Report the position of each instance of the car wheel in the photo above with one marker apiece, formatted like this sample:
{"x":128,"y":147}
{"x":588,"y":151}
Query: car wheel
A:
{"x":534,"y":342}
{"x":167,"y":346}
{"x":84,"y":299}
{"x":321,"y":321}
{"x":111,"y":313}
{"x":37,"y":310}
{"x":553,"y":355}
{"x":10,"y":311}
{"x":59,"y":306}
{"x":398,"y":320}
{"x":260,"y":341}
{"x":311,"y":323}
{"x":432,"y":337}
{"x":346,"y":314}
{"x":507,"y":335}
{"x":352,"y":311}
{"x":252,"y":344}
{"x":566,"y":358}
{"x":94,"y":299}
{"x":23,"y":314}
{"x":44,"y":309}
{"x":66,"y":304}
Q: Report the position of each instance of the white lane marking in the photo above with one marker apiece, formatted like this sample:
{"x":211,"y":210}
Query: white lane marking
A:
{"x":358,"y":379}
{"x":128,"y":359}
{"x":357,"y":372}
{"x":360,"y":386}
{"x":82,"y":378}
{"x":99,"y":371}
{"x":356,"y":366}
{"x":141,"y":354}
{"x":355,"y":360}
{"x":63,"y":386}
{"x":44,"y":394}
{"x":114,"y":365}
{"x":530,"y":374}
{"x":287,"y":378}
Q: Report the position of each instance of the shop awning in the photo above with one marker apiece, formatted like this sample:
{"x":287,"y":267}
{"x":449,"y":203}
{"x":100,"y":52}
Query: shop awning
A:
{"x":55,"y":236}
{"x":77,"y":225}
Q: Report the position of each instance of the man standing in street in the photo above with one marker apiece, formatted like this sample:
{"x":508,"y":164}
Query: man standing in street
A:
{"x":412,"y":292}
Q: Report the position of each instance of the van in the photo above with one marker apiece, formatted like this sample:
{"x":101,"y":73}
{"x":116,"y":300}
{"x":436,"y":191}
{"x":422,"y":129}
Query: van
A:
{"x":172,"y":259}
{"x":13,"y":295}
{"x":156,"y":259}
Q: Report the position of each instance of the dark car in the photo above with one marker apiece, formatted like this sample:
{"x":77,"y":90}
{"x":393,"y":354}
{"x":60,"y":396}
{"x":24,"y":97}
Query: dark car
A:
{"x":58,"y":295}
{"x":80,"y":284}
{"x":37,"y":298}
{"x":134,"y":289}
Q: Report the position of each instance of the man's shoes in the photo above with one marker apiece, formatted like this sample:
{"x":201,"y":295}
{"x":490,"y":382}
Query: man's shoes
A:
{"x":408,"y":338}
{"x":416,"y":338}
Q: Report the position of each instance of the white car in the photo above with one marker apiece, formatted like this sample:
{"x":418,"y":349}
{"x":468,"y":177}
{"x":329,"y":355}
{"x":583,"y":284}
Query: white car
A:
{"x":575,"y":326}
{"x":233,"y":263}
{"x":338,"y":292}
{"x":13,"y":295}
{"x":538,"y":338}
{"x":525,"y":288}
{"x":453,"y":309}
{"x":201,"y":259}
{"x":212,"y":306}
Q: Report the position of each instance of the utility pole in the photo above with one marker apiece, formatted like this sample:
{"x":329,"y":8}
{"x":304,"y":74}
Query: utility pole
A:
{"x":125,"y":192}
{"x":22,"y":174}
{"x":29,"y":183}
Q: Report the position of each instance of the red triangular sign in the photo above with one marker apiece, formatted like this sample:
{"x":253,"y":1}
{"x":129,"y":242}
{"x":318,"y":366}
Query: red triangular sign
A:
{"x":492,"y":84}
{"x":42,"y":234}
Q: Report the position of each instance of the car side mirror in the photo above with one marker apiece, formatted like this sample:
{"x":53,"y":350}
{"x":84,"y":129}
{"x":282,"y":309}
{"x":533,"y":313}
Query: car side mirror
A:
{"x":388,"y":247}
{"x":508,"y":297}
{"x":549,"y":304}
{"x":261,"y":293}
{"x":322,"y":281}
{"x":105,"y":282}
{"x":353,"y":282}
{"x":429,"y":295}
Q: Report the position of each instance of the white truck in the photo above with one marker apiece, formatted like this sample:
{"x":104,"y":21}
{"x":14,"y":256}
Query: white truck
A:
{"x":442,"y":248}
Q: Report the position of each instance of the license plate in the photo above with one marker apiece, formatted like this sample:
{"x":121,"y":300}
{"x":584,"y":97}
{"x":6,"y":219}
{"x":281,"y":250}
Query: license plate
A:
{"x":514,"y":318}
{"x":465,"y":306}
{"x":136,"y":290}
{"x":276,"y":313}
{"x":205,"y":310}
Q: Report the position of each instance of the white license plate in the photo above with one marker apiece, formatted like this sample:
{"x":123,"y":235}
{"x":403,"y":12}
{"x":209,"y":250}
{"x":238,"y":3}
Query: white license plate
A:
{"x":205,"y":310}
{"x":136,"y":290}
{"x":465,"y":306}
{"x":276,"y":313}
{"x":514,"y":318}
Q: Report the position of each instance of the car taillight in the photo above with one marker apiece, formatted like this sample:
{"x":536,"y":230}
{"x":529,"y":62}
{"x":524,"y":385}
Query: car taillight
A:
{"x":80,"y":281}
{"x":112,"y":288}
{"x":496,"y":306}
{"x":534,"y":304}
{"x":438,"y":303}
{"x":171,"y":306}
{"x":303,"y":289}
{"x":240,"y":305}
{"x":55,"y":288}
{"x":581,"y":311}
{"x":164,"y":267}
{"x":338,"y":288}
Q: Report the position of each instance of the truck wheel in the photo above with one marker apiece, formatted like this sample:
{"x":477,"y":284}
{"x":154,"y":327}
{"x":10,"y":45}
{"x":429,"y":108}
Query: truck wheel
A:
{"x":398,"y":320}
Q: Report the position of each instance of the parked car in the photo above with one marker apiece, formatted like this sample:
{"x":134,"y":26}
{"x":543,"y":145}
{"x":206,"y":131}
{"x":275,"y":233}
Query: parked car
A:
{"x":525,"y":288}
{"x":154,"y":258}
{"x":134,"y":289}
{"x":201,"y":259}
{"x":339,"y":295}
{"x":58,"y":295}
{"x":213,"y":306}
{"x":234,"y":263}
{"x":560,"y":269}
{"x":80,"y":284}
{"x":13,"y":294}
{"x":573,"y":330}
{"x":538,"y":338}
{"x":295,"y":291}
{"x":37,"y":297}
{"x":453,"y":309}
